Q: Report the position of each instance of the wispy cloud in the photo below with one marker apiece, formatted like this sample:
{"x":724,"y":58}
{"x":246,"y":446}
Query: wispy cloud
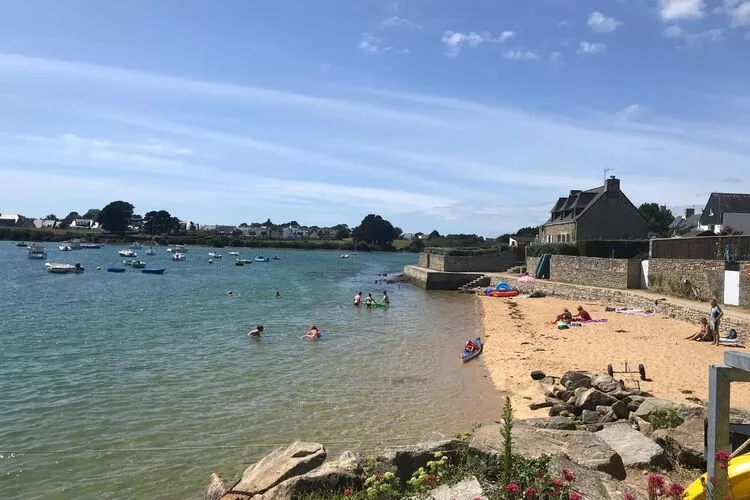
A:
{"x":399,"y":22}
{"x":739,"y":11}
{"x":675,"y":10}
{"x":520,"y":55}
{"x":716,"y":35}
{"x":591,"y":48}
{"x":562,"y":23}
{"x":632,"y":112}
{"x":374,"y":45}
{"x":454,"y":41}
{"x":599,"y":23}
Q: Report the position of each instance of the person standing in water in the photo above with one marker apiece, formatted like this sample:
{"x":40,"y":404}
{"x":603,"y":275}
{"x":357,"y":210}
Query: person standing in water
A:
{"x":358,"y":298}
{"x":256,"y":333}
{"x":278,"y":295}
{"x":386,"y":299}
{"x":369,"y":301}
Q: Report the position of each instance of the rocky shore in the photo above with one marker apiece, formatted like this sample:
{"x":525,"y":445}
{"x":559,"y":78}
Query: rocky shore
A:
{"x":597,"y":428}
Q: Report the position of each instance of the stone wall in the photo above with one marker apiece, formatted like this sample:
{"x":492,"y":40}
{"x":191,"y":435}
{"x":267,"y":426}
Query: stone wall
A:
{"x":744,"y":284}
{"x":566,"y":232}
{"x":494,"y":262}
{"x":705,"y":278}
{"x":438,"y":280}
{"x":605,"y":273}
{"x":691,"y":314}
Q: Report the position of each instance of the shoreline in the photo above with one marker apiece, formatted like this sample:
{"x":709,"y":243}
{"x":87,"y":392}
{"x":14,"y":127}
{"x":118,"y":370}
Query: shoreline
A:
{"x":520,"y":339}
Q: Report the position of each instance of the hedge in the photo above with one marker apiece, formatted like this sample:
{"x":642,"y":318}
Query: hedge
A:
{"x":616,"y":249}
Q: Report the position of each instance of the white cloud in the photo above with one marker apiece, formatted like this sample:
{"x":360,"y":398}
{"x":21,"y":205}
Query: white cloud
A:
{"x":673,"y":31}
{"x":632,"y":112}
{"x":673,"y":10}
{"x":520,"y":55}
{"x":399,"y":22}
{"x":454,"y":41}
{"x":555,"y":57}
{"x":591,"y":48}
{"x":739,"y":11}
{"x":562,"y":23}
{"x":370,"y":44}
{"x":599,"y":23}
{"x":716,"y":35}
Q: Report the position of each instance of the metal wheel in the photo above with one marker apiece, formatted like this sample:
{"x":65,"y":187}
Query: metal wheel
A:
{"x":610,"y":370}
{"x":642,"y":371}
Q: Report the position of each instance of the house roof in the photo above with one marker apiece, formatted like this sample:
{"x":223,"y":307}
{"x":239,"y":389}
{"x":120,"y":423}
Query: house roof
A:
{"x":578,"y":201}
{"x":719,"y":203}
{"x":683,"y":223}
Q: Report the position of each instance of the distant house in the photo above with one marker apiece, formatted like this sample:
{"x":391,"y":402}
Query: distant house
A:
{"x":45,"y":223}
{"x":602,"y":213}
{"x":15,"y":220}
{"x":688,"y":223}
{"x":726,"y":210}
{"x":84,"y":224}
{"x":520,"y":241}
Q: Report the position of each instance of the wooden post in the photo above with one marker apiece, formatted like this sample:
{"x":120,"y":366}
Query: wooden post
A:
{"x":718,"y":430}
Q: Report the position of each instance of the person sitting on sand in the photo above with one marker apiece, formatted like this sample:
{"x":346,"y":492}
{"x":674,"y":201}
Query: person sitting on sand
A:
{"x":565,"y":316}
{"x":256,"y":333}
{"x":583,"y":314}
{"x":313,"y":332}
{"x":358,"y":298}
{"x":705,"y":334}
{"x":369,"y":301}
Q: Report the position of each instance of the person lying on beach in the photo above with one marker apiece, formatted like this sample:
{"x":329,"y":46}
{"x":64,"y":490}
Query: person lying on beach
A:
{"x":583,"y":314}
{"x":313,"y":332}
{"x":705,"y":334}
{"x":565,"y":317}
{"x":256,"y":333}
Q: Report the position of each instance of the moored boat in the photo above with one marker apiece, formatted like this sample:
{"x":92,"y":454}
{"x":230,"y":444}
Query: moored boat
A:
{"x":215,"y":255}
{"x":136,"y":246}
{"x":65,"y":248}
{"x":150,"y":251}
{"x":275,"y":257}
{"x":137,"y":264}
{"x":237,"y":254}
{"x":260,"y":258}
{"x":472,"y":352}
{"x":178,"y":256}
{"x":115,"y":269}
{"x":91,"y":246}
{"x":37,"y":252}
{"x":344,"y":256}
{"x":21,"y":244}
{"x":63,"y":268}
{"x":153,"y":271}
{"x":242,"y":262}
{"x":127,"y":253}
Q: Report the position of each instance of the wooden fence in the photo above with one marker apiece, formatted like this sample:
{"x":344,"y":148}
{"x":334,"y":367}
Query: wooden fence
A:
{"x":726,"y":248}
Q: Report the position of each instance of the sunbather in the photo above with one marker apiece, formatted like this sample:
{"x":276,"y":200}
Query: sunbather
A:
{"x":565,"y":317}
{"x":583,"y":314}
{"x":705,"y":334}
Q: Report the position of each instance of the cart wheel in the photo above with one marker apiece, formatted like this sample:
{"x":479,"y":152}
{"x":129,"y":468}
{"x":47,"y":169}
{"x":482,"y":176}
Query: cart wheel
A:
{"x":610,"y":371}
{"x":642,"y":371}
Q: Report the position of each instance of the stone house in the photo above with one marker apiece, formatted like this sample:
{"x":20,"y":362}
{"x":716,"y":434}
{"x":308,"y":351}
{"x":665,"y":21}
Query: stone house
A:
{"x":602,"y":213}
{"x":726,"y":210}
{"x":686,"y":224}
{"x":15,"y":220}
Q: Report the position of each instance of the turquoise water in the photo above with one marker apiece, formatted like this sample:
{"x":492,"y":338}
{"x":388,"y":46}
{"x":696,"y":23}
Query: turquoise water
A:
{"x":139,"y":386}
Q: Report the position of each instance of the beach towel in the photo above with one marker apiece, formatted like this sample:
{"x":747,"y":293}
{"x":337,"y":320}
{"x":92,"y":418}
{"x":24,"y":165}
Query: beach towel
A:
{"x":526,"y":279}
{"x":731,"y":342}
{"x":586,"y":322}
{"x":635,"y":312}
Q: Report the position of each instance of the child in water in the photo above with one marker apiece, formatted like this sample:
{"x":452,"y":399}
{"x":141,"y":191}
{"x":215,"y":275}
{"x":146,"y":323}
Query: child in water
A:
{"x":369,"y":301}
{"x":313,"y":332}
{"x":256,"y":333}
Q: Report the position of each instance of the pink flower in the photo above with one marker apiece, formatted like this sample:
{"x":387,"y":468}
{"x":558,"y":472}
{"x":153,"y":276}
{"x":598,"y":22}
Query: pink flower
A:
{"x":379,"y":477}
{"x":347,"y":492}
{"x":512,"y":487}
{"x":574,"y":496}
{"x":558,"y":483}
{"x":530,"y":493}
{"x":675,"y":491}
{"x":656,"y":485}
{"x":568,"y":474}
{"x":628,"y":496}
{"x":723,"y":458}
{"x":431,"y":479}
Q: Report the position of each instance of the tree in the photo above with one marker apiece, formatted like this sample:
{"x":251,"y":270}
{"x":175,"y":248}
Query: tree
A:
{"x":51,"y":217}
{"x":434,"y":234}
{"x":659,"y":217}
{"x":342,"y":231}
{"x":244,"y":224}
{"x":528,"y":231}
{"x":504,"y":238}
{"x":91,"y":213}
{"x":375,"y":230}
{"x":68,"y":220}
{"x":160,"y":222}
{"x":116,"y":216}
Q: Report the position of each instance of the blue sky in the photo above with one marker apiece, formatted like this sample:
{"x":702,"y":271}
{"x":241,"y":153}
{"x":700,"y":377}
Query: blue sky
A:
{"x":462,"y":116}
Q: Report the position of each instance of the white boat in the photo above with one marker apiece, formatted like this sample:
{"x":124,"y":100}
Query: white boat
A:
{"x":242,"y":262}
{"x":134,"y":263}
{"x":91,"y":246}
{"x":344,"y":256}
{"x":178,"y":256}
{"x":63,"y":268}
{"x":37,"y":252}
{"x":215,"y":255}
{"x":127,"y":253}
{"x":236,"y":254}
{"x":65,"y":248}
{"x":260,"y":258}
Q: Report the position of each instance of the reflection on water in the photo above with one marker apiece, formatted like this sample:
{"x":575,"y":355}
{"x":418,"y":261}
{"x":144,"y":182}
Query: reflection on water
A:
{"x":102,"y":361}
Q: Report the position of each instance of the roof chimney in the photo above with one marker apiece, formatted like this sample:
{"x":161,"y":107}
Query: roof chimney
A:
{"x":612,"y":184}
{"x":689,"y":212}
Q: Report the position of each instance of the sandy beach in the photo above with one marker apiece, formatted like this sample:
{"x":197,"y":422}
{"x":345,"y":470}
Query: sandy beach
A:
{"x":520,"y":337}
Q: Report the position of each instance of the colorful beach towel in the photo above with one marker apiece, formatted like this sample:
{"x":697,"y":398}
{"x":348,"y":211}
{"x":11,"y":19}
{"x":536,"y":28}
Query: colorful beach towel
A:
{"x":586,"y":322}
{"x":731,"y":342}
{"x":634,"y":312}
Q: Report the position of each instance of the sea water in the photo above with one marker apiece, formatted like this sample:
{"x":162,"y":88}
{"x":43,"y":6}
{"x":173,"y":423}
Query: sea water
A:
{"x":139,"y":386}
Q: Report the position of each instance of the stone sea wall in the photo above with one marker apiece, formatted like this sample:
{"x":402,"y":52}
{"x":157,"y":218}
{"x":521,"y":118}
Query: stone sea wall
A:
{"x":438,"y":280}
{"x":624,"y":298}
{"x":605,"y":273}
{"x":494,"y":262}
{"x":701,"y":277}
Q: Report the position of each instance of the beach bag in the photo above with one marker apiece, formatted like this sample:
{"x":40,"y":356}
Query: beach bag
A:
{"x":561,"y":325}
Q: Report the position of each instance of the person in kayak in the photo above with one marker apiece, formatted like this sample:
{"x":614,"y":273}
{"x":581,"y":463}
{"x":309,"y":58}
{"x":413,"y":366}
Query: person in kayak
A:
{"x":470,"y":346}
{"x":358,"y":298}
{"x":386,"y":299}
{"x":313,"y":332}
{"x":256,"y":333}
{"x":369,"y":301}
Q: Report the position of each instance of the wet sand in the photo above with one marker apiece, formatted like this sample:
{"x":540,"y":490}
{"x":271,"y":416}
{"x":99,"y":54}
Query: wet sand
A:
{"x":520,"y":338}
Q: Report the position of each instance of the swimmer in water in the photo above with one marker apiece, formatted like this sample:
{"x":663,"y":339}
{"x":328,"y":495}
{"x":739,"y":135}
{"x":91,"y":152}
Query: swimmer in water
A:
{"x":278,"y":295}
{"x":256,"y":333}
{"x":230,"y":293}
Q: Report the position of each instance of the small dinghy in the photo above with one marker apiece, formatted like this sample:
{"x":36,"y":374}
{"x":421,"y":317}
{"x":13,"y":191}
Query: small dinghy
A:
{"x":115,"y":269}
{"x":472,"y":352}
{"x":153,"y":271}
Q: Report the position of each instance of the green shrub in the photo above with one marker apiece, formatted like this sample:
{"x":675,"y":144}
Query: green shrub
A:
{"x":665,"y":419}
{"x":615,"y":249}
{"x":551,"y":248}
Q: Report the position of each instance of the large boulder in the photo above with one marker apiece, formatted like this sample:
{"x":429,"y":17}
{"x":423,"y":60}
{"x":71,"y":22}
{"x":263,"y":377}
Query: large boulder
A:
{"x":467,"y":489}
{"x":650,"y":405}
{"x":621,"y":408}
{"x":216,"y":489}
{"x":590,"y":483}
{"x":635,"y":449}
{"x":591,"y":398}
{"x":574,"y":379}
{"x":605,"y":383}
{"x":685,"y":442}
{"x":407,"y":459}
{"x":331,"y":476}
{"x":559,"y":423}
{"x":530,"y":442}
{"x":281,"y":464}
